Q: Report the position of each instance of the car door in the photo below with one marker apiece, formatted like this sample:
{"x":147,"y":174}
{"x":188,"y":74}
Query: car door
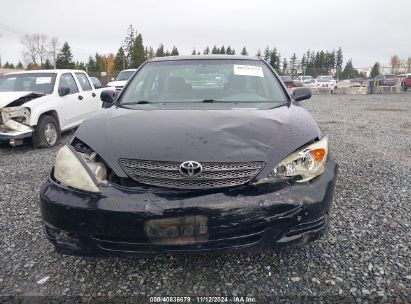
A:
{"x":91,"y":101}
{"x":69,"y":109}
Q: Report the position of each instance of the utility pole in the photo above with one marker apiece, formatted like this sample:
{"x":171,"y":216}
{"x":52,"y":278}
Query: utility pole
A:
{"x":54,"y":43}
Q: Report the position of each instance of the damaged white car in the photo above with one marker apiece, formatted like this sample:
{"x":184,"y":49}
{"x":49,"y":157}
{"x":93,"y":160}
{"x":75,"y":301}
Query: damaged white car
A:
{"x":42,"y":104}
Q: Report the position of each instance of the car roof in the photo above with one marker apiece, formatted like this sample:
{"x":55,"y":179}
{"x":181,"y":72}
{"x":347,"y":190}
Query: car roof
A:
{"x":205,"y":57}
{"x":129,"y":70}
{"x":45,"y":71}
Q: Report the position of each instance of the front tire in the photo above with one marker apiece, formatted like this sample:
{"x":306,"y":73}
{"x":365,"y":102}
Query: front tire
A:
{"x":47,"y":133}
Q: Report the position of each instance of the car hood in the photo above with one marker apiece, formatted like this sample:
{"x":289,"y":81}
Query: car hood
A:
{"x":119,"y":83}
{"x":6,"y":98}
{"x":199,"y":135}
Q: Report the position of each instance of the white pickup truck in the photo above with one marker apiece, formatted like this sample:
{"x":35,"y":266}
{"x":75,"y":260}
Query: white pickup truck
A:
{"x":41,"y":104}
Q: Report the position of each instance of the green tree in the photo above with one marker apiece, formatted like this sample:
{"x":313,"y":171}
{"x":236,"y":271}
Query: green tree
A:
{"x":206,"y":51}
{"x":137,"y":55}
{"x":222,"y":50}
{"x":244,"y":52}
{"x":349,"y":71}
{"x":151,"y":53}
{"x":99,"y":64}
{"x":319,"y":63}
{"x":91,"y":64}
{"x":19,"y":65}
{"x":259,"y":55}
{"x":194,"y":52}
{"x":120,"y":60}
{"x":375,"y":70}
{"x":215,"y":50}
{"x":160,"y":51}
{"x":329,"y":61}
{"x":230,"y":51}
{"x":293,"y":65}
{"x":285,"y":66}
{"x":174,"y":51}
{"x":267,"y":54}
{"x":339,"y":60}
{"x":129,"y":42}
{"x":47,"y":65}
{"x":78,"y":66}
{"x":275,"y":59}
{"x":65,"y":57}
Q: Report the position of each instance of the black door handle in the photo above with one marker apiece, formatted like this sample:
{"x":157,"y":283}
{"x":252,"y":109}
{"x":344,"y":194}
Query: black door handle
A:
{"x":80,"y":97}
{"x":93,"y":94}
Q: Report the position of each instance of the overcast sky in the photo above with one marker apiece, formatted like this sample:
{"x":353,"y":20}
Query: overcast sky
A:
{"x":367,"y":30}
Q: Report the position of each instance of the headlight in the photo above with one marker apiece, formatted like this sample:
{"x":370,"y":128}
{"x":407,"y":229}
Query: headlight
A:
{"x":306,"y":163}
{"x":70,"y":169}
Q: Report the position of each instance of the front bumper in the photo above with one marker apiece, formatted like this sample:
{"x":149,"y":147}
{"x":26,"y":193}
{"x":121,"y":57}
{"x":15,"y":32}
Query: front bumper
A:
{"x":7,"y":134}
{"x":247,"y":217}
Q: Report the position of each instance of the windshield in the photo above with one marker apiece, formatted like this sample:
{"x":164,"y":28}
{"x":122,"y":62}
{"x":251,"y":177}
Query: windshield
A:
{"x":36,"y":82}
{"x":204,"y":81}
{"x":124,"y":75}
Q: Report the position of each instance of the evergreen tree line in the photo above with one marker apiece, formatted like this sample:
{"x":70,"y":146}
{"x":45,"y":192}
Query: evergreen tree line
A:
{"x":132,"y":53}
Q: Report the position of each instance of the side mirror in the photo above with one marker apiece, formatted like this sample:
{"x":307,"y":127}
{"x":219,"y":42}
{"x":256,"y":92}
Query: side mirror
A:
{"x":301,"y":94}
{"x":63,"y":91}
{"x":108,"y":97}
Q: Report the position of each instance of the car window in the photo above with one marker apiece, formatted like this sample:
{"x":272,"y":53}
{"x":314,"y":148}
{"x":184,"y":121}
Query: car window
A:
{"x":67,"y":80}
{"x":228,"y":80}
{"x":96,"y":82}
{"x":124,"y":75}
{"x":84,"y":83}
{"x":36,"y":82}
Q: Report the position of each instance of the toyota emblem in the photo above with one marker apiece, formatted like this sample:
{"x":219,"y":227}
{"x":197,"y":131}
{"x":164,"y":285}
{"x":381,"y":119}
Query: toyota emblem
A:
{"x":191,"y":168}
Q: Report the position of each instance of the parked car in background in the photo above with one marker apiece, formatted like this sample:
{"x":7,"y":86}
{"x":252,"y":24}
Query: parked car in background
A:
{"x":292,"y":84}
{"x":121,"y":79}
{"x":284,"y":78}
{"x":305,"y":79}
{"x":182,"y":168}
{"x":323,"y":84}
{"x":329,"y":78}
{"x":406,"y":82}
{"x":41,"y":104}
{"x":385,"y":80}
{"x":357,"y":82}
{"x":96,"y":82}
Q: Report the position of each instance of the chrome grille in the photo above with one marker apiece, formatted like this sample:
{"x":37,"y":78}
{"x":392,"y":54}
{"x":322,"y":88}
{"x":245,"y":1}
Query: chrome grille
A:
{"x":214,"y":175}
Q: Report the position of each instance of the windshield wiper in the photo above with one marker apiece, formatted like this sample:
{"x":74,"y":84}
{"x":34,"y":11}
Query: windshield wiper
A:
{"x":137,"y":102}
{"x":212,"y":101}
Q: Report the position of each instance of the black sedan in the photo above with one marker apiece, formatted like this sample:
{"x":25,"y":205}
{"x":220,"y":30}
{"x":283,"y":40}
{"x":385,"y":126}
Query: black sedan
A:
{"x":197,"y":154}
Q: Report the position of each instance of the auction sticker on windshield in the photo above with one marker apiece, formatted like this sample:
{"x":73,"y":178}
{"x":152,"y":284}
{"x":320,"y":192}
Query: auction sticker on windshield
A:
{"x":248,"y":70}
{"x":43,"y":80}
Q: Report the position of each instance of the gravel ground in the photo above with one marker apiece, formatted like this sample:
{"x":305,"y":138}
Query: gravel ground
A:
{"x":365,"y":253}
